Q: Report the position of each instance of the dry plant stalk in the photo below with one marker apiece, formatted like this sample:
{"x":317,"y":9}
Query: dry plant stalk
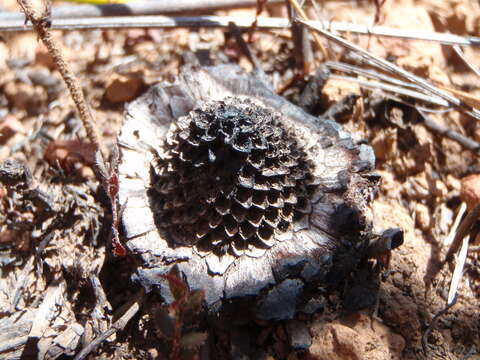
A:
{"x":40,"y":23}
{"x":128,"y":311}
{"x":304,"y":16}
{"x":105,"y":172}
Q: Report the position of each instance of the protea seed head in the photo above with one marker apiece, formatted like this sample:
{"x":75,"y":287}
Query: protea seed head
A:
{"x":256,"y":202}
{"x":231,"y":177}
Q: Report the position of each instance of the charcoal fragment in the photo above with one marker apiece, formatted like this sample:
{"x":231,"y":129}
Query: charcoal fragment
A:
{"x":15,"y":173}
{"x":280,"y":303}
{"x":359,"y":297}
{"x":314,"y":305}
{"x":288,"y":267}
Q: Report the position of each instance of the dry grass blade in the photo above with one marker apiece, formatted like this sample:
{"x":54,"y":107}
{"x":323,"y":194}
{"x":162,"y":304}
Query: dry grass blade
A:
{"x":304,"y":16}
{"x":140,"y":8}
{"x":469,"y":99}
{"x":153,"y":21}
{"x":464,"y":228}
{"x":107,"y":20}
{"x":461,"y":241}
{"x":458,"y":50}
{"x":451,"y":235}
{"x":407,"y":34}
{"x":372,"y":85}
{"x":457,"y":273}
{"x":398,"y":71}
{"x":368,"y":73}
{"x":396,"y":87}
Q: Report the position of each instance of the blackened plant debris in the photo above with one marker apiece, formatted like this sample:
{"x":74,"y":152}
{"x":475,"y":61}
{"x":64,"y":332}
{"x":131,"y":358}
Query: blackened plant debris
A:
{"x":17,"y":178}
{"x":253,"y":200}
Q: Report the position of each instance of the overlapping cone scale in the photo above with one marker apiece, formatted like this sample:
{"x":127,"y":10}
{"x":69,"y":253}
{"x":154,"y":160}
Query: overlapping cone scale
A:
{"x":230,"y":177}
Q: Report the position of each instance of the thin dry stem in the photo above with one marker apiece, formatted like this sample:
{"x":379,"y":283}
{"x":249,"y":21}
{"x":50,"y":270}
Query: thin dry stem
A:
{"x":398,"y":71}
{"x":40,"y":25}
{"x":463,"y":230}
{"x":304,"y":16}
{"x":129,"y":311}
{"x":141,"y":7}
{"x":9,"y":22}
{"x":458,"y":50}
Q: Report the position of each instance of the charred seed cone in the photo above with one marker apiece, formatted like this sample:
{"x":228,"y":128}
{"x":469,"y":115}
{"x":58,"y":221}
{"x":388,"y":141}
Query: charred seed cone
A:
{"x":255,"y":201}
{"x":253,"y":177}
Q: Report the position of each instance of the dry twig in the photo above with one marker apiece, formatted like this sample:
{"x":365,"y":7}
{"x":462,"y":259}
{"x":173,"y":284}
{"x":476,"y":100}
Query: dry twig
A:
{"x":304,"y":16}
{"x":260,"y":6}
{"x":304,"y":60}
{"x":130,"y":309}
{"x":41,"y":23}
{"x":433,"y":324}
{"x":257,"y":66}
{"x":464,"y":141}
{"x":105,"y":172}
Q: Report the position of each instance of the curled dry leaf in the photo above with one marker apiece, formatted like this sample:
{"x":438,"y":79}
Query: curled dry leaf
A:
{"x":176,"y":284}
{"x":72,"y":155}
{"x":123,"y":88}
